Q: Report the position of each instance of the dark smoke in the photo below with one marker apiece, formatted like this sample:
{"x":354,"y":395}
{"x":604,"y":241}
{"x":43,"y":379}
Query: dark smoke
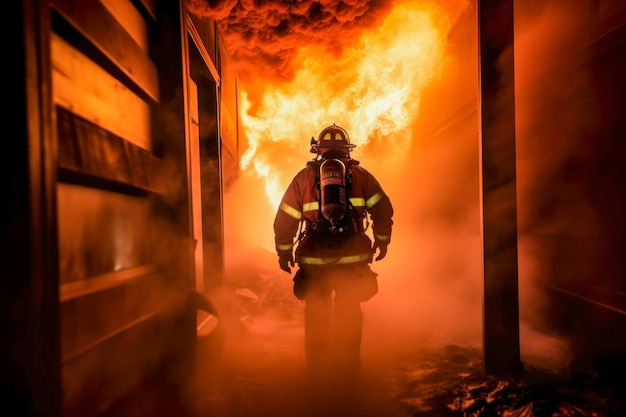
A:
{"x":263,"y":36}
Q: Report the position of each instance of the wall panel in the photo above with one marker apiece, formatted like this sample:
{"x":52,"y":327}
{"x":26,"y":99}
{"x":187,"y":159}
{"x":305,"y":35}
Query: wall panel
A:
{"x":85,"y":88}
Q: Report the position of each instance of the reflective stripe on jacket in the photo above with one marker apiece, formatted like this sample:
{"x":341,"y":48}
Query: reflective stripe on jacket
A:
{"x":341,"y":260}
{"x":301,"y":202}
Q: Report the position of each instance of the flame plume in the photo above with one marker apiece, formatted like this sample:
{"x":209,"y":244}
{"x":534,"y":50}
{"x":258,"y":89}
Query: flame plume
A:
{"x":365,"y":72}
{"x":372,"y":89}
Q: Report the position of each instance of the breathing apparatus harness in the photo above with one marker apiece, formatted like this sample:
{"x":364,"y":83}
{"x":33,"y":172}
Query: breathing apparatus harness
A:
{"x":337,"y":217}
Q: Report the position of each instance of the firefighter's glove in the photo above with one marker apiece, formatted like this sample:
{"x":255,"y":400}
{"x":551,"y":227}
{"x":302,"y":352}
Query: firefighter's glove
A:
{"x":382,"y":249}
{"x":285,"y":261}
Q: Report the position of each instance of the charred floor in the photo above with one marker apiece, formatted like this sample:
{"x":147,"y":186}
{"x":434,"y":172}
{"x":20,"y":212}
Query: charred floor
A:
{"x":252,"y":364}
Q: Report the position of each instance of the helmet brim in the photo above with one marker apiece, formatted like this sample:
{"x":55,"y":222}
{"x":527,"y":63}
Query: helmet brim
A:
{"x":315,"y":148}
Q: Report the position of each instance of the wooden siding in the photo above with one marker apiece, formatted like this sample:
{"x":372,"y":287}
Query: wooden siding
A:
{"x":105,"y":33}
{"x":92,"y":152}
{"x":86,"y":89}
{"x":229,"y":108}
{"x":119,"y":283}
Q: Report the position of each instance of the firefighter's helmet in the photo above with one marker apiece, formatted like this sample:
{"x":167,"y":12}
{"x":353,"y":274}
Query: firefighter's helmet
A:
{"x":332,"y":137}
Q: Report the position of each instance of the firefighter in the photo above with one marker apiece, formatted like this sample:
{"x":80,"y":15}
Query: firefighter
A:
{"x":322,"y":219}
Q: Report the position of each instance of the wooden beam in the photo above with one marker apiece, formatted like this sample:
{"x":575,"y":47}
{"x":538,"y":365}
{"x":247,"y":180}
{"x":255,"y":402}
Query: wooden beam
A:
{"x":501,"y":342}
{"x":88,"y":150}
{"x":29,"y":350}
{"x":199,"y":40}
{"x":96,"y":24}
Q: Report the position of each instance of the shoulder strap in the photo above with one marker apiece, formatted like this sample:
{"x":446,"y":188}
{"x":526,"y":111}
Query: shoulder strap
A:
{"x":315,"y":164}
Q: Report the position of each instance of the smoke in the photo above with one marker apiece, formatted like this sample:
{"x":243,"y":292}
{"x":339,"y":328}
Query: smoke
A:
{"x":265,"y":37}
{"x":431,"y":280}
{"x":430,"y":287}
{"x":552,"y":120}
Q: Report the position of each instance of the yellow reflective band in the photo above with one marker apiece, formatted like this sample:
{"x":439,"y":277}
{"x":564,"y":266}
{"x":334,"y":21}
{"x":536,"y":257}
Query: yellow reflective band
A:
{"x":357,"y":202}
{"x":285,"y":247}
{"x":334,"y":261}
{"x":295,"y":213}
{"x":382,"y":238}
{"x":312,"y":206}
{"x":371,"y":202}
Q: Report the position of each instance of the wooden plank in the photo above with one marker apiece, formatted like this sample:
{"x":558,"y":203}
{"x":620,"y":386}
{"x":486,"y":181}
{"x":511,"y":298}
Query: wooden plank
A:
{"x":608,"y":300}
{"x":501,"y":344}
{"x":207,"y":31}
{"x":205,"y":43}
{"x":86,"y":89}
{"x":118,"y":359}
{"x":28,"y":263}
{"x":89,"y":319}
{"x":195,"y":184}
{"x":229,"y":104}
{"x":74,"y":289}
{"x":130,"y":18}
{"x":228,"y":132}
{"x":100,"y":231}
{"x":148,"y":7}
{"x":99,"y":376}
{"x":92,"y":19}
{"x":88,"y":149}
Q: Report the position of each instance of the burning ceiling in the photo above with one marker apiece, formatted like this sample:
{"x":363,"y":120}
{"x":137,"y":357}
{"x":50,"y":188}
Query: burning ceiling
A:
{"x":264,"y":36}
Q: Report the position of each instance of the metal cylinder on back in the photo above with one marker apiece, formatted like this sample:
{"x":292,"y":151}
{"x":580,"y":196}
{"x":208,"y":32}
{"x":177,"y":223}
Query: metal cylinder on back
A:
{"x":333,"y":193}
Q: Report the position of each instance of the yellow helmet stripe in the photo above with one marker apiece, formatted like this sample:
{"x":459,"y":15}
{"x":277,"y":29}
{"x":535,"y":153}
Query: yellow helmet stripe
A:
{"x":309,"y":260}
{"x":295,"y":213}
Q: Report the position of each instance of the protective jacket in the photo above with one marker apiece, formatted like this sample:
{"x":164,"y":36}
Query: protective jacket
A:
{"x":301,"y":203}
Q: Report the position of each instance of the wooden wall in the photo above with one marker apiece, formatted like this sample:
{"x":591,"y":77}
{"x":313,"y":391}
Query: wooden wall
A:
{"x":123,"y":259}
{"x":571,"y":199}
{"x":118,"y":204}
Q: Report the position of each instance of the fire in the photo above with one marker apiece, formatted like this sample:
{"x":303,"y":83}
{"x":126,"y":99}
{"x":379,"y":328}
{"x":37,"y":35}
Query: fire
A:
{"x":372,"y":89}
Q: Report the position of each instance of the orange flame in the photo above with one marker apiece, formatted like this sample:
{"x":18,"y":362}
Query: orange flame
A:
{"x":373,"y":90}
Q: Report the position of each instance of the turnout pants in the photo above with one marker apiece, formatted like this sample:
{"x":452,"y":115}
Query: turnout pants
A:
{"x":333,"y":319}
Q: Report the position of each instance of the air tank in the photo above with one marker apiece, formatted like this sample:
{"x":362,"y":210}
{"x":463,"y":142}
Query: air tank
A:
{"x":333,"y":196}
